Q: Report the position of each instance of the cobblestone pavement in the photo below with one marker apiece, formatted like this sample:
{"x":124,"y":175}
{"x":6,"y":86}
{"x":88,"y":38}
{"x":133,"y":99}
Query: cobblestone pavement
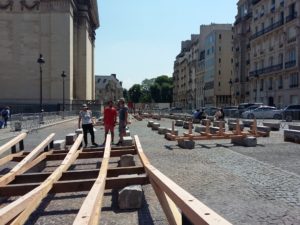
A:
{"x":258,"y":185}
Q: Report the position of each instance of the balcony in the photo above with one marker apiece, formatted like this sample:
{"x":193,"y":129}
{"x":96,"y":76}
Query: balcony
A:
{"x":293,"y":39}
{"x":291,"y":17}
{"x":290,"y":64}
{"x":264,"y":70}
{"x":268,"y":29}
{"x":293,"y":85}
{"x":272,"y":8}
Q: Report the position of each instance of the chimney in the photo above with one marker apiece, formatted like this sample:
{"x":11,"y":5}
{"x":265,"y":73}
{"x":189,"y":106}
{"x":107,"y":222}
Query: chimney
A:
{"x":114,"y":75}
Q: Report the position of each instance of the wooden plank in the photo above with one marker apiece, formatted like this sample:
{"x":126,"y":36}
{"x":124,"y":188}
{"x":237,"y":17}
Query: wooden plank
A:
{"x":23,"y":165}
{"x":196,"y":211}
{"x":89,"y":212}
{"x":77,"y":174}
{"x":12,"y":142}
{"x":9,"y":157}
{"x":21,"y":208}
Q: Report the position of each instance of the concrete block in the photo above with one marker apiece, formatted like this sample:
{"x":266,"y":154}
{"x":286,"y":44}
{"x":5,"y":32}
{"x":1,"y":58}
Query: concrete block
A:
{"x":214,"y":130}
{"x":127,"y":133}
{"x":126,"y":160}
{"x":264,"y":129}
{"x":248,"y":141}
{"x":162,"y":130}
{"x":211,"y":118}
{"x":130,"y":197}
{"x":150,"y":123}
{"x":291,"y":135}
{"x":196,"y":121}
{"x":186,"y":125}
{"x":155,"y":126}
{"x":200,"y":129}
{"x":79,"y":131}
{"x":18,"y":126}
{"x":169,"y":130}
{"x":232,"y":126}
{"x":218,"y":122}
{"x":247,"y":123}
{"x":179,"y":123}
{"x":186,"y":144}
{"x":127,"y":141}
{"x":70,"y":138}
{"x":59,"y":144}
{"x":204,"y":121}
{"x":294,"y":127}
{"x":273,"y":126}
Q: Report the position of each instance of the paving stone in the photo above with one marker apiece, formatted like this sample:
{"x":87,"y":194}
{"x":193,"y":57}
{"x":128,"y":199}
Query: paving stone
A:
{"x":248,"y":141}
{"x":273,"y":126}
{"x":126,"y":160}
{"x":179,"y":123}
{"x":155,"y":126}
{"x":127,"y":141}
{"x":130,"y":197}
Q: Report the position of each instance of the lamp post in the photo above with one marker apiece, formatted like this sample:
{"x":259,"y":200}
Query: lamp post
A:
{"x":41,"y":61}
{"x":63,"y":75}
{"x":230,"y":86}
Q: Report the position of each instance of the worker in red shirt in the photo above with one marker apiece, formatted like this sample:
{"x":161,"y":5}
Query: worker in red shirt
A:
{"x":110,"y":120}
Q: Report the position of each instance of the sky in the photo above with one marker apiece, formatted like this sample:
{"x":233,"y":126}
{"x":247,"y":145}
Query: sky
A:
{"x":139,"y":39}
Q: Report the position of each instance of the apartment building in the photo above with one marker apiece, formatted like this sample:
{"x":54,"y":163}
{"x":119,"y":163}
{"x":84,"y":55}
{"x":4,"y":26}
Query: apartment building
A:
{"x":203,"y":68}
{"x":274,"y":51}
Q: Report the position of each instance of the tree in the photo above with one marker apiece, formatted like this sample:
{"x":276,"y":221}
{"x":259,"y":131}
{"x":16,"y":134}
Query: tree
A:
{"x":135,"y":93}
{"x":125,"y":94}
{"x":166,"y":92}
{"x":155,"y":92}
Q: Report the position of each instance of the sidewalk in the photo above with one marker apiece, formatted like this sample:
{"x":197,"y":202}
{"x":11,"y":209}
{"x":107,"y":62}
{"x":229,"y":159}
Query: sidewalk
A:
{"x":7,"y":133}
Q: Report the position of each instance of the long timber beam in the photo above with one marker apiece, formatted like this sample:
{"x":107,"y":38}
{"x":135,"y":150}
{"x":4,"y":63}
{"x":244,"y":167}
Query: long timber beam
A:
{"x":12,"y":143}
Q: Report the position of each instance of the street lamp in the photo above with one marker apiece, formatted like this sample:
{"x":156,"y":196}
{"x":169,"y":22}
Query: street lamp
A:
{"x":63,"y":75}
{"x":230,"y":85}
{"x":41,"y":61}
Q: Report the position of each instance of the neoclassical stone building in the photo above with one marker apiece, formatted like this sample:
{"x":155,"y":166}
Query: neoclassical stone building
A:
{"x":63,"y":31}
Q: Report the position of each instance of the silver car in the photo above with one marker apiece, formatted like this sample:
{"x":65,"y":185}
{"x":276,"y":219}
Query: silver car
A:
{"x":263,"y":112}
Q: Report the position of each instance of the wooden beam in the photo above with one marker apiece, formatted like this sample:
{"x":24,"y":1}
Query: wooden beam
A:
{"x":13,"y":142}
{"x":77,"y":174}
{"x":89,"y":212}
{"x":21,"y":208}
{"x":25,"y":163}
{"x":9,"y":157}
{"x":194,"y":210}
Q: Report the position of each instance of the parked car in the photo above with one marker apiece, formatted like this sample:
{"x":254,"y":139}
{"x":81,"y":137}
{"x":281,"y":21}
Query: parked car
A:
{"x":175,"y":110}
{"x":230,"y":111}
{"x":263,"y":112}
{"x":244,"y":107}
{"x":291,"y":112}
{"x":211,"y":111}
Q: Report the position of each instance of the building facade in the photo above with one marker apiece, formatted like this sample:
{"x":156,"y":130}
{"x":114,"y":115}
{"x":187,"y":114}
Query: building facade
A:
{"x":108,"y":87}
{"x":63,"y":32}
{"x":274,"y":51}
{"x":203,"y":68}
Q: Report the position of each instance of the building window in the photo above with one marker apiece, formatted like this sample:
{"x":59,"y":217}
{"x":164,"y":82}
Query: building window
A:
{"x":261,"y":85}
{"x":219,"y":72}
{"x":219,"y":84}
{"x":294,"y":80}
{"x":219,"y":60}
{"x":280,"y":83}
{"x":270,"y":83}
{"x":220,"y":36}
{"x":220,"y":48}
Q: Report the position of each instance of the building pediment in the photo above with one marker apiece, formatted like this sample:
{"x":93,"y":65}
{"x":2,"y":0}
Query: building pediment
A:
{"x":92,"y":7}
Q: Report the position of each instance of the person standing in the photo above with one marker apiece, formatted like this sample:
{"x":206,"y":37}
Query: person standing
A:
{"x":5,"y":113}
{"x":110,"y":120}
{"x":123,"y":120}
{"x":85,"y":119}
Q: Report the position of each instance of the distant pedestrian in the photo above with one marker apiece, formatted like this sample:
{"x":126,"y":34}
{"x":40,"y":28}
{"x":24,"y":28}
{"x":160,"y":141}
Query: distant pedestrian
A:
{"x":110,"y":120}
{"x":5,"y":113}
{"x":220,"y":114}
{"x":123,"y":120}
{"x":86,"y":122}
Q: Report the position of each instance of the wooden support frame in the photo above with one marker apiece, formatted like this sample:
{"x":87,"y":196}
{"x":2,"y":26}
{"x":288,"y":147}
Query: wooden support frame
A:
{"x":12,"y":144}
{"x":196,"y":211}
{"x":19,"y":210}
{"x":27,"y":162}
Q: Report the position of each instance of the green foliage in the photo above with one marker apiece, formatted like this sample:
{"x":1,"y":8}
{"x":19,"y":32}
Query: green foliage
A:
{"x":135,"y":93}
{"x":125,"y":94}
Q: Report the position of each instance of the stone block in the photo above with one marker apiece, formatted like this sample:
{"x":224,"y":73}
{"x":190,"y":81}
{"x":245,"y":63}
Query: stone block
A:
{"x":196,"y":121}
{"x":186,"y":144}
{"x":127,"y":133}
{"x":126,"y":160}
{"x":291,"y":135}
{"x":294,"y":127}
{"x":200,"y":129}
{"x":169,"y":130}
{"x":150,"y":123}
{"x":127,"y":141}
{"x":248,"y":141}
{"x":186,"y":125}
{"x":211,"y":118}
{"x":247,"y":123}
{"x":130,"y":197}
{"x":78,"y":131}
{"x":204,"y":121}
{"x":179,"y":123}
{"x":155,"y":126}
{"x":59,"y":144}
{"x":232,"y":126}
{"x":218,"y":122}
{"x":264,"y":129}
{"x":214,"y":130}
{"x":273,"y":126}
{"x":70,"y":138}
{"x":162,"y":130}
